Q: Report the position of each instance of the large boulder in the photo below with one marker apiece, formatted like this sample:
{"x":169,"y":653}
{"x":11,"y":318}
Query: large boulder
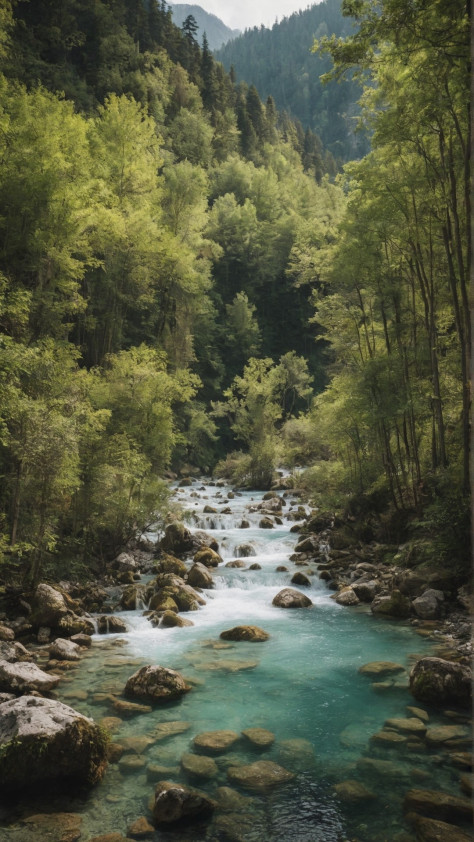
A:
{"x":43,"y":740}
{"x":208,"y":557}
{"x":290,"y":598}
{"x":438,"y":805}
{"x":14,"y":651}
{"x":156,"y":684}
{"x":199,"y":576}
{"x":70,"y":624}
{"x":438,"y":682}
{"x":177,"y":539}
{"x":64,"y":650}
{"x":430,"y":605}
{"x":48,"y":606}
{"x":178,"y":803}
{"x":252,"y":634}
{"x":396,"y":605}
{"x":170,"y":564}
{"x":432,"y":830}
{"x":346,"y":596}
{"x":308,"y":545}
{"x":215,"y":742}
{"x":25,"y":677}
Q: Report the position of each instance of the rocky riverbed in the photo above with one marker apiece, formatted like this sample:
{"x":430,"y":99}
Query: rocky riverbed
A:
{"x":175,"y":624}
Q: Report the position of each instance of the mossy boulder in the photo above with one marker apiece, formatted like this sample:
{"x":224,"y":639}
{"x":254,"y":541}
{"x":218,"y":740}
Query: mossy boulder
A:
{"x":43,"y":740}
{"x":156,"y":684}
{"x":438,"y":682}
{"x":252,"y":634}
{"x":178,"y":803}
{"x":396,"y":605}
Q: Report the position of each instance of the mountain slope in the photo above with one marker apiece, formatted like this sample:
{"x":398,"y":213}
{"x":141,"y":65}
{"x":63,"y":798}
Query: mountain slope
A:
{"x":279,"y":62}
{"x":217,"y":32}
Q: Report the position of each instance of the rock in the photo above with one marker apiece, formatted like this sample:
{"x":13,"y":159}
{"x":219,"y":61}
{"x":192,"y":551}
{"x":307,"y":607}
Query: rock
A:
{"x":42,"y":740}
{"x":141,"y":829}
{"x":156,"y":684}
{"x":198,"y":766}
{"x":412,"y":725}
{"x":208,"y":557}
{"x":301,"y":579}
{"x":244,"y":524}
{"x":248,"y":633}
{"x":353,"y":792}
{"x":229,"y":800}
{"x":110,"y":837}
{"x":70,"y":624}
{"x":136,"y":745}
{"x":84,"y":640}
{"x":131,"y":596}
{"x":266,"y":523}
{"x":130,"y":708}
{"x":438,"y":805}
{"x":177,"y":539}
{"x":259,"y":737}
{"x":320,"y":521}
{"x":51,"y":827}
{"x":397,"y":605}
{"x":108,"y":624}
{"x":439,"y":682}
{"x":48,"y":606}
{"x":465,"y":783}
{"x":14,"y":652}
{"x":176,"y":802}
{"x":25,"y":677}
{"x":245,"y":550}
{"x":170,"y":619}
{"x":215,"y":742}
{"x":389,"y":739}
{"x":430,"y":830}
{"x":125,"y":561}
{"x":6,"y":633}
{"x":443,"y":733}
{"x":365,"y":591}
{"x":290,"y":598}
{"x":281,"y":569}
{"x":165,"y":730}
{"x":430,"y":605}
{"x":199,"y":576}
{"x":346,"y":596}
{"x":297,"y":753}
{"x":131,"y":763}
{"x":378,"y":669}
{"x":209,"y":510}
{"x":259,"y":776}
{"x":237,"y":563}
{"x":202,"y":539}
{"x":64,"y":650}
{"x":170,"y":564}
{"x":418,"y":712}
{"x":255,"y":566}
{"x":308,"y":545}
{"x":161,"y":602}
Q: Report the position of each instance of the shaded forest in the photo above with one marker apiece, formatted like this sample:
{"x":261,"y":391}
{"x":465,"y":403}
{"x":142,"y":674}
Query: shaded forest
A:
{"x":185,"y":274}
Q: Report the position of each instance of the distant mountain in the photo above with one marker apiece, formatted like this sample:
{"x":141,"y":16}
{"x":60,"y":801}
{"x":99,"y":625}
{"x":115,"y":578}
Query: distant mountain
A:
{"x":217,"y":32}
{"x":279,"y":62}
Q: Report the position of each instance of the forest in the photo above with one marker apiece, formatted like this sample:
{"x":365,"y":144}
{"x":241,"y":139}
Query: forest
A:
{"x":190,"y":280}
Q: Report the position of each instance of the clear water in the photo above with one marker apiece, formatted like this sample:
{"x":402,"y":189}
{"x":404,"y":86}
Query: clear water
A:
{"x":302,"y":684}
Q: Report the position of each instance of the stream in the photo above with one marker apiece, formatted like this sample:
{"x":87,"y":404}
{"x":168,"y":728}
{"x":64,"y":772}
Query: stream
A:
{"x":302,"y":684}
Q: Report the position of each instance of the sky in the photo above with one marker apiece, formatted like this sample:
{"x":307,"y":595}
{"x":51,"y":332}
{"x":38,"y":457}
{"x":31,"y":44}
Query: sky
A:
{"x":240,"y":14}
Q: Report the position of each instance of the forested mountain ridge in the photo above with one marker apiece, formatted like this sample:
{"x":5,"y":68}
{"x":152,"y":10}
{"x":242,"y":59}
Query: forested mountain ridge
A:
{"x":216,"y":31}
{"x":280,"y":62}
{"x":171,"y":247}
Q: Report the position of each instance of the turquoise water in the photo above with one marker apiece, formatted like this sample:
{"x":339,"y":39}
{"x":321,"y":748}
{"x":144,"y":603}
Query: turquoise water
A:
{"x":302,"y":684}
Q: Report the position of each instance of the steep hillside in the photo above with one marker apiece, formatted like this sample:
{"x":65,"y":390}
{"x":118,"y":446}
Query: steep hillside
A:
{"x":217,"y":32}
{"x":279,"y":62}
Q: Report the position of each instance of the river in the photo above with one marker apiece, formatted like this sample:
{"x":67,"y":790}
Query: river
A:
{"x":303,"y":685}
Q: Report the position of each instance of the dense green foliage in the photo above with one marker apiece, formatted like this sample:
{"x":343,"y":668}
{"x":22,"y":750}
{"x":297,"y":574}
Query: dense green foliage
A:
{"x":279,"y":62}
{"x":148,"y":211}
{"x":170,"y":249}
{"x":393,"y":298}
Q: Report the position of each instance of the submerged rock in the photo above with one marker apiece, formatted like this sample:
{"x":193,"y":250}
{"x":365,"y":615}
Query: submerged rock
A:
{"x":156,"y":684}
{"x":215,"y":742}
{"x":439,"y":805}
{"x":262,"y":775}
{"x":378,"y":669}
{"x":43,"y":740}
{"x":353,"y":792}
{"x":290,"y":598}
{"x":176,"y":803}
{"x":259,"y":737}
{"x":198,"y":766}
{"x":439,"y":682}
{"x":431,"y":830}
{"x":248,"y":633}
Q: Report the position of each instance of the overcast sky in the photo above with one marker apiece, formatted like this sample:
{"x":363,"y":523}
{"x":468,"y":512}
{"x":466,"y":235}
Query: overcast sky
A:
{"x":240,"y":14}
